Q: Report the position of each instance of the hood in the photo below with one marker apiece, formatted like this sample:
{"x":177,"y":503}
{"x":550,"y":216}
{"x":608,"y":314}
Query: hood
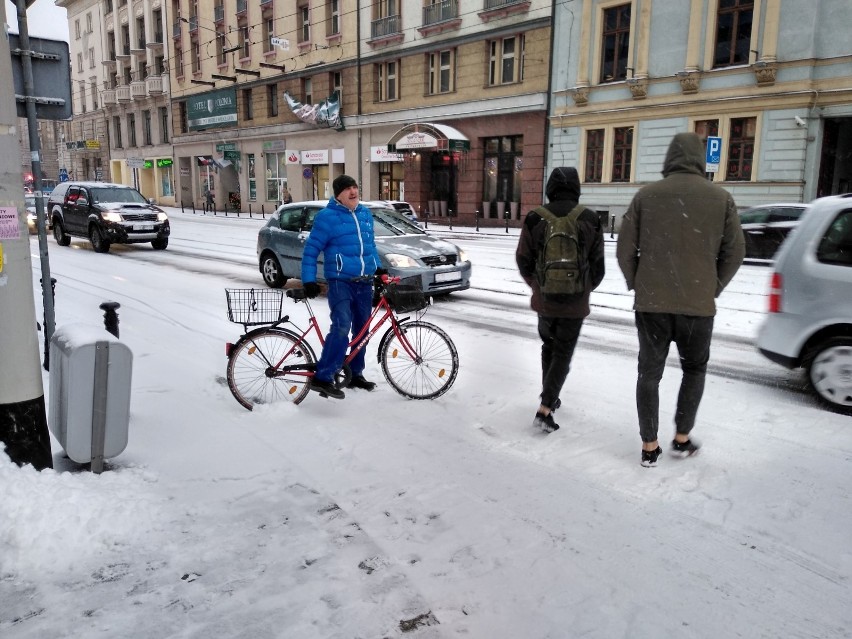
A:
{"x":685,"y":155}
{"x":563,"y":184}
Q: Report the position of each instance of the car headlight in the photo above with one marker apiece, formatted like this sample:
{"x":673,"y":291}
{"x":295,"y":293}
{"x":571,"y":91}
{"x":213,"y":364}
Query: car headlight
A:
{"x":463,"y":256}
{"x":162,"y":217}
{"x":111,"y":216}
{"x":401,"y":261}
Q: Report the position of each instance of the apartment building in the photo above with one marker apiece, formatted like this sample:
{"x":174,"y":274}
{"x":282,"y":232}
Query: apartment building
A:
{"x":121,"y":85}
{"x":770,"y":80}
{"x":443,"y":104}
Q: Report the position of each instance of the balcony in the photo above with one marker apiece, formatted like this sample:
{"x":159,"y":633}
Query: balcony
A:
{"x":122,"y":93}
{"x":157,"y":43}
{"x":154,"y":84}
{"x":442,"y":16}
{"x":493,"y":9}
{"x":138,"y":90}
{"x":108,"y":97}
{"x":386,"y":30}
{"x":265,"y":7}
{"x":176,"y":29}
{"x":193,"y":26}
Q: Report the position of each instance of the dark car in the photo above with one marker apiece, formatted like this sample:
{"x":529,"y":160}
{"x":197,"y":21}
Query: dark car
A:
{"x":30,"y":201}
{"x":405,"y":249}
{"x":106,"y":214}
{"x":765,"y":227}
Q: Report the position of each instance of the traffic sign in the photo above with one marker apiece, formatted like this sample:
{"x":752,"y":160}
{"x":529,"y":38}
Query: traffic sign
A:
{"x":714,"y":153}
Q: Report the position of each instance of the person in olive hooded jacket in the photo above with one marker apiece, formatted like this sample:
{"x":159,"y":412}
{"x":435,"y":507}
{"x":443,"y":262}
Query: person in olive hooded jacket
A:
{"x":560,"y":321}
{"x":679,"y":245}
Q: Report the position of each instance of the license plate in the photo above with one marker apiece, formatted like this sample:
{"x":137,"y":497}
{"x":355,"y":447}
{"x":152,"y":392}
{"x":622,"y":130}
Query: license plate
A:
{"x":451,"y":276}
{"x":143,"y":227}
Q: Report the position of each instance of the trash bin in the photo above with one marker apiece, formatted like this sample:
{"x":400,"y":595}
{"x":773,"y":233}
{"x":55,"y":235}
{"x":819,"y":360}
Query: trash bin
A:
{"x":89,"y":409}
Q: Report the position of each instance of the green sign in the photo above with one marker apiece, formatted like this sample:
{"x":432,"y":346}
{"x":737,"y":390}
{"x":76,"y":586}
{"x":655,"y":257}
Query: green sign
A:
{"x":226,"y":146}
{"x":149,"y":164}
{"x":164,"y":162}
{"x":214,"y":109}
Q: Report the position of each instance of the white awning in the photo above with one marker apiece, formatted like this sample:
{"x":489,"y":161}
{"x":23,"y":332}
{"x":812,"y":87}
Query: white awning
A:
{"x":427,"y":135}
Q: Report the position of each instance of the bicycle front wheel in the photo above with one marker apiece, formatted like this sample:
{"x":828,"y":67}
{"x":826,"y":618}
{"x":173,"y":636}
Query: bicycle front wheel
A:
{"x":421,"y":363}
{"x":268,"y":366}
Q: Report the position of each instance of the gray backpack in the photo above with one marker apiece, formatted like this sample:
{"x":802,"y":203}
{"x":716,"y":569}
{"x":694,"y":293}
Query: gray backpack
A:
{"x":560,"y":267}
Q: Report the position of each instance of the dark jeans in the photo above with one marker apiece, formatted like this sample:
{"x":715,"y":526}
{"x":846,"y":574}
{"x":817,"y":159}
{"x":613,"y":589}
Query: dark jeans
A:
{"x":692,"y":336}
{"x":558,"y":338}
{"x":351,"y":306}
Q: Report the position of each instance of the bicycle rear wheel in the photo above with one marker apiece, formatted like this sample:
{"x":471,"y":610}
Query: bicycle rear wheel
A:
{"x":257,"y":375}
{"x":432,"y":370}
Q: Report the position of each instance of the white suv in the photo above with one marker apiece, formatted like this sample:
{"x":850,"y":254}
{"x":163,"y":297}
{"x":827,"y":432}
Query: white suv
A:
{"x":810,"y":302}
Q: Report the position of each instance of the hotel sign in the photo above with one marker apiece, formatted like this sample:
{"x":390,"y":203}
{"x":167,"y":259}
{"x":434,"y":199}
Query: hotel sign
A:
{"x":214,"y":109}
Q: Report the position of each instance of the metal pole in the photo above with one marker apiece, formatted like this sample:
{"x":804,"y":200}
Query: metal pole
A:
{"x":110,"y":316}
{"x":99,"y":406}
{"x":477,"y":219}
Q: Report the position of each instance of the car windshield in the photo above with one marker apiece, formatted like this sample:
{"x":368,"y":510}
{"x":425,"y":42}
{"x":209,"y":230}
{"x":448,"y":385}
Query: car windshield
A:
{"x":106,"y":194}
{"x":388,"y":222}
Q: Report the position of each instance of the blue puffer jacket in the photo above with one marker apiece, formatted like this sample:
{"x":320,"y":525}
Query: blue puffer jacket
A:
{"x":346,"y":239}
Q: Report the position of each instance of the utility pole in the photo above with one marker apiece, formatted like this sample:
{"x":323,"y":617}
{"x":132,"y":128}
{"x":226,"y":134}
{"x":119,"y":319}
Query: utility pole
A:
{"x":23,"y":421}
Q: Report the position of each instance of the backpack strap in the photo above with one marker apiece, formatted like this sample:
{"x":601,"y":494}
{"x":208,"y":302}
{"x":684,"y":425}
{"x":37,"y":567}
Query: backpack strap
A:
{"x":545,"y":213}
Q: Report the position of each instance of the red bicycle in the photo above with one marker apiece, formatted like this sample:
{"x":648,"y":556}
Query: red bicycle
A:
{"x":274,"y":363}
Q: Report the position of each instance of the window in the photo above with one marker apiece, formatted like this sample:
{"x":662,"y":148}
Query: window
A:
{"x":268,"y":34}
{"x":196,"y":58}
{"x":386,"y":73}
{"x":76,"y":29}
{"x":272,"y":99}
{"x":506,"y":60}
{"x":304,"y":13}
{"x":741,"y":149}
{"x":501,"y":183}
{"x":622,"y":153}
{"x":733,"y":32}
{"x":140,"y":33}
{"x":83,"y":95}
{"x":80,"y":62}
{"x":594,"y":155}
{"x":220,"y":48}
{"x":307,"y":91}
{"x":248,"y":107}
{"x":178,"y":62}
{"x":441,"y":72}
{"x":94,"y":86}
{"x":108,"y":6}
{"x":276,"y":176}
{"x":91,"y":57}
{"x":705,"y":129}
{"x":89,"y":22}
{"x":116,"y":127}
{"x":245,"y":42}
{"x":835,"y":247}
{"x":333,"y":18}
{"x":164,"y":124}
{"x":146,"y":128}
{"x":131,"y":129}
{"x":184,"y":117}
{"x":615,"y":43}
{"x":252,"y":180}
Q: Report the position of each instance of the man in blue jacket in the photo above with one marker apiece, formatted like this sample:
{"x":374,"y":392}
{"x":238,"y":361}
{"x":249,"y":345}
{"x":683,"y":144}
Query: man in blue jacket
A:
{"x":343,"y":232}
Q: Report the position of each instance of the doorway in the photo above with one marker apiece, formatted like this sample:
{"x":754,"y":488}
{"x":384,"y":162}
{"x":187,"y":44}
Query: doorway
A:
{"x":835,"y":164}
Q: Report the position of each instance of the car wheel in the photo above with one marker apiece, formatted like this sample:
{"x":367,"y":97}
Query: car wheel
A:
{"x":160,"y":243}
{"x":99,"y":242}
{"x":830,"y":373}
{"x":271,"y":271}
{"x":59,"y":234}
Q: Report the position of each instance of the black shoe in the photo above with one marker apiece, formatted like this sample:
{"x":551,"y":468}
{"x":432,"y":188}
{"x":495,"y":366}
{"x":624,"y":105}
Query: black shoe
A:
{"x":545,"y":422}
{"x":326,"y":389}
{"x":649,"y":457}
{"x":684,"y":449}
{"x":358,"y":381}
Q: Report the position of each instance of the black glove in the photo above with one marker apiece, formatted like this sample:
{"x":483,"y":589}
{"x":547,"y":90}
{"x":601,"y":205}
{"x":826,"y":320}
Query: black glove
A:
{"x":380,"y":271}
{"x":312,"y":289}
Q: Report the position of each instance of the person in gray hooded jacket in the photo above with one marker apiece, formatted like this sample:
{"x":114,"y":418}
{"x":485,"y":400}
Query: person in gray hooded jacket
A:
{"x":560,"y":320}
{"x":679,"y":245}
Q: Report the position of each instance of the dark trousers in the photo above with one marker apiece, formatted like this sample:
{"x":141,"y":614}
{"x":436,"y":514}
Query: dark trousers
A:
{"x":692,"y":336}
{"x":558,"y":338}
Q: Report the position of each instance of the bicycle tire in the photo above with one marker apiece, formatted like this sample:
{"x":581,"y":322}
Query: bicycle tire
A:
{"x":434,"y":370}
{"x":249,"y":367}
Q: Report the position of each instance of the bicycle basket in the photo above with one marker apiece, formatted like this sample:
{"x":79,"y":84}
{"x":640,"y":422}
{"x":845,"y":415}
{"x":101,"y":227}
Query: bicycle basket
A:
{"x":405,"y":299}
{"x":254,"y":306}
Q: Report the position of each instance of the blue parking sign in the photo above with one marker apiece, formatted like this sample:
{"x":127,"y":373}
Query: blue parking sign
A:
{"x":714,"y":153}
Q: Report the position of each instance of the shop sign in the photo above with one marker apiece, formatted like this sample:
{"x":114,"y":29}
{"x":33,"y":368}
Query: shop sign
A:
{"x":381,"y":154}
{"x":293,"y":157}
{"x":274,"y":146}
{"x":162,"y":162}
{"x":93,"y":145}
{"x":149,"y":164}
{"x":184,"y":172}
{"x":212,"y":109}
{"x":315,"y":157}
{"x":135,"y":163}
{"x":417,"y":140}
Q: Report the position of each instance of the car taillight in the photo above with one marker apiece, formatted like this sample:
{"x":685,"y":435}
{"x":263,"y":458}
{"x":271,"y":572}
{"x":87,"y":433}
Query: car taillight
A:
{"x":775,"y":292}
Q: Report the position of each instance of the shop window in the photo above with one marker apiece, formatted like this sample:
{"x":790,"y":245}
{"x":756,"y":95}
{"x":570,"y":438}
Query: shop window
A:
{"x":276,"y":176}
{"x":503,"y":163}
{"x":615,"y":43}
{"x":252,"y":179}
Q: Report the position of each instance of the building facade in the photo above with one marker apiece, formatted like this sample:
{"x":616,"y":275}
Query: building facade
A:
{"x":442,"y":104}
{"x":771,"y":79}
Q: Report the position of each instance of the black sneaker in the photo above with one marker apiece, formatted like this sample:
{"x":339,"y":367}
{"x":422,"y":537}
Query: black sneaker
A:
{"x":358,"y":381}
{"x":684,"y":449}
{"x":650,"y":457}
{"x":326,"y":389}
{"x":545,"y":422}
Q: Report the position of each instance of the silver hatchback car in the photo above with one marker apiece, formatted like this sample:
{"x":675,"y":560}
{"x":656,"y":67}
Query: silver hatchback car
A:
{"x":809,"y":323}
{"x":406,"y":250}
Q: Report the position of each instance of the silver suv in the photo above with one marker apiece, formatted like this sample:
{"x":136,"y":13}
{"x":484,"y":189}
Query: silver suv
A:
{"x":809,"y":323}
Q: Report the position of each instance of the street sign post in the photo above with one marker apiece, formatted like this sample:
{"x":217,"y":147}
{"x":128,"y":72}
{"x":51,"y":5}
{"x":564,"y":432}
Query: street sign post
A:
{"x":714,"y":154}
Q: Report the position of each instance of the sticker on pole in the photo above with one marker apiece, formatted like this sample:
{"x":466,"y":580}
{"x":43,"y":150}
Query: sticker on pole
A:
{"x":9,"y":224}
{"x":714,"y":154}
